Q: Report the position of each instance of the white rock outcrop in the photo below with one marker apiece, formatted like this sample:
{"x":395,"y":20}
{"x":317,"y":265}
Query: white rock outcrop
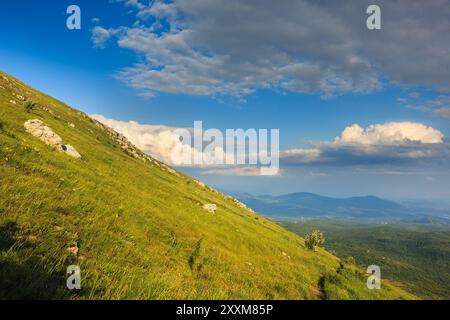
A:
{"x":210,"y":207}
{"x":71,"y":151}
{"x":18,"y":96}
{"x":39,"y":130}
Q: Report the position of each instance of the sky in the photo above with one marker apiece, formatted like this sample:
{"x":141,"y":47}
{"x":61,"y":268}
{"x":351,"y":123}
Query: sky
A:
{"x":359,"y":111}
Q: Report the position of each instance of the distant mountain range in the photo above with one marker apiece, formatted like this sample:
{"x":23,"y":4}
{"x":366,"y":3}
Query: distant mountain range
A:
{"x":309,"y":205}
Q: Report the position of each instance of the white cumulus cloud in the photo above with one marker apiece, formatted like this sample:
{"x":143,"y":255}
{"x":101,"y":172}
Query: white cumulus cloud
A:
{"x":390,"y":133}
{"x":155,"y":140}
{"x":163,"y":142}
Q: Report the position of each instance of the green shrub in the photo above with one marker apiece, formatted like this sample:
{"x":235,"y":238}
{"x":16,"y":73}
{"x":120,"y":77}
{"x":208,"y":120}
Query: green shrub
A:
{"x":314,"y":239}
{"x":333,"y":252}
{"x":30,"y":106}
{"x":351,"y":260}
{"x":193,"y":257}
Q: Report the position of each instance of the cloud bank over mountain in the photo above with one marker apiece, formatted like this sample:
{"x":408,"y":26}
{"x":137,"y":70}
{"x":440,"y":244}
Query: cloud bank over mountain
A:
{"x":392,"y":143}
{"x":387,"y":143}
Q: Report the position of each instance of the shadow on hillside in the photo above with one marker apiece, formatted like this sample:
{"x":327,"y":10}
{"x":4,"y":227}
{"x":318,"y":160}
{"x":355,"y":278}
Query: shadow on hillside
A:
{"x":23,"y":276}
{"x":8,"y":232}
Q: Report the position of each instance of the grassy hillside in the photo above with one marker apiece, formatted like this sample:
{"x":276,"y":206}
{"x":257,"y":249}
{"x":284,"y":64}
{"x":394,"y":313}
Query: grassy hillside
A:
{"x":138,"y":225}
{"x":416,"y":255}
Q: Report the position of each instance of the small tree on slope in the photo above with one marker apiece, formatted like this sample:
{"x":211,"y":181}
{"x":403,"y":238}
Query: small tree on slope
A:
{"x":314,"y":239}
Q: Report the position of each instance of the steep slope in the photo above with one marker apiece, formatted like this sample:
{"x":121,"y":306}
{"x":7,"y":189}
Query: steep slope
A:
{"x":136,"y":227}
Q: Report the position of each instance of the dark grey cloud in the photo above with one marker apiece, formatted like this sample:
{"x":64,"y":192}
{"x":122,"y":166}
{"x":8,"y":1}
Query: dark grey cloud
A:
{"x":413,"y":47}
{"x":237,"y":46}
{"x":409,"y":154}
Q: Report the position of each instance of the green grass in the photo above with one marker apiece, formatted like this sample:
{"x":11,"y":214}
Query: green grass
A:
{"x":140,"y":228}
{"x":417,"y":256}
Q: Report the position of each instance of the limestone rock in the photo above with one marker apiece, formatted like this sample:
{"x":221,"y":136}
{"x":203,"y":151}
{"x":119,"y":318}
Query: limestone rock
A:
{"x":39,"y":130}
{"x":210,"y":207}
{"x":20,"y":97}
{"x":71,"y":151}
{"x":48,"y":110}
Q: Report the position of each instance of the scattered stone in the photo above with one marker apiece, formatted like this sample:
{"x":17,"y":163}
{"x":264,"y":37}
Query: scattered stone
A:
{"x":210,"y":207}
{"x":201,"y":184}
{"x":128,"y":243}
{"x":39,"y":130}
{"x":248,"y":263}
{"x":240,"y":204}
{"x":48,"y":110}
{"x":71,"y":125}
{"x":30,"y":238}
{"x":13,"y":101}
{"x":18,"y":96}
{"x":73,"y":249}
{"x":128,"y":147}
{"x":170,"y":170}
{"x":123,"y":142}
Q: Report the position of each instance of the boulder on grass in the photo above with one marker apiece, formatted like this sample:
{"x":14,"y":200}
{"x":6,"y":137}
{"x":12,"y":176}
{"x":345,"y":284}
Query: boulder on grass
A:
{"x":210,"y":207}
{"x":39,"y":130}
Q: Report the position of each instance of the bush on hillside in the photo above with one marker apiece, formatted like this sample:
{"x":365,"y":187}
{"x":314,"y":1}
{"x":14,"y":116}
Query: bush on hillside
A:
{"x":314,"y":239}
{"x":351,"y":260}
{"x":30,"y":106}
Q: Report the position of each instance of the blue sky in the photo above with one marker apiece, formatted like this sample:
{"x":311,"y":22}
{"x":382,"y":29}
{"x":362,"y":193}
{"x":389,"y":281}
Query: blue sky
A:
{"x":380,"y":87}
